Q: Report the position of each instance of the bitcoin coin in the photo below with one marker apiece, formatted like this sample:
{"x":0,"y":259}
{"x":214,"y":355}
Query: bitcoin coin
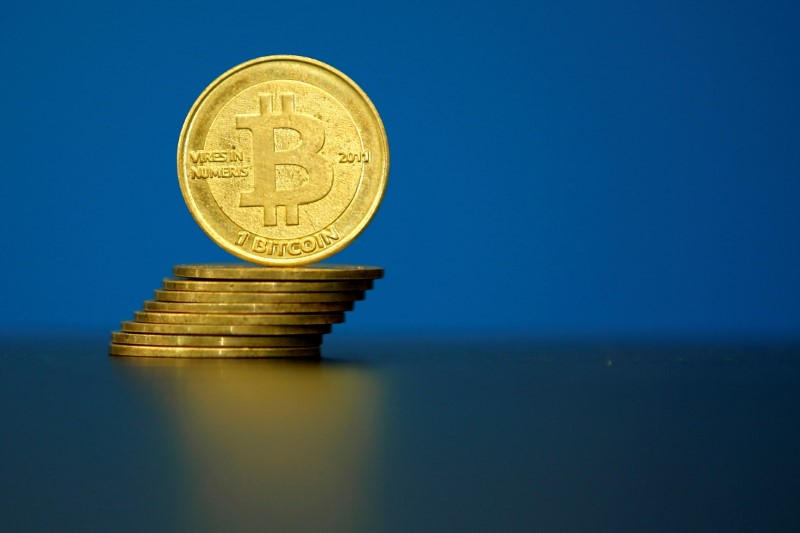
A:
{"x":245,"y":272}
{"x":194,"y":351}
{"x":222,"y":329}
{"x":245,"y":308}
{"x":275,"y":341}
{"x":267,"y":286}
{"x":243,"y":320}
{"x":283,"y":160}
{"x":257,"y":297}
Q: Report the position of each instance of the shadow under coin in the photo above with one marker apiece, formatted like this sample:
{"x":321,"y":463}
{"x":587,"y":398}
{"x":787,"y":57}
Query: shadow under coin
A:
{"x":267,"y":444}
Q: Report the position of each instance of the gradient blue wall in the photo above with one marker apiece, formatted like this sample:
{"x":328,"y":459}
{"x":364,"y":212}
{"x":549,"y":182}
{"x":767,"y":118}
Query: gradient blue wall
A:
{"x":569,"y":168}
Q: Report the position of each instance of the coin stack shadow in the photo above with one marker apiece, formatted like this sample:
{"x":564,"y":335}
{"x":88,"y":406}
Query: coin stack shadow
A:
{"x":236,"y":311}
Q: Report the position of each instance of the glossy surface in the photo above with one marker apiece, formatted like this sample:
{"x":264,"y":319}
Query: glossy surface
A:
{"x":387,"y":434}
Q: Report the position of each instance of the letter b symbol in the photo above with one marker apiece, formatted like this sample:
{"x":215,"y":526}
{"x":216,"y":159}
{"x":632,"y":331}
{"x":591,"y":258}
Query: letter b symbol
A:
{"x":266,"y":159}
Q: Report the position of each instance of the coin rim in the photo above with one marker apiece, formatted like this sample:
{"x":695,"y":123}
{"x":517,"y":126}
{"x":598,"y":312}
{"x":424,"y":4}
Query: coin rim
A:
{"x":205,"y":285}
{"x":204,"y":352}
{"x":163,"y":295}
{"x":239,"y":308}
{"x":131,"y":326}
{"x":216,"y":341}
{"x":313,"y":257}
{"x":253,"y":272}
{"x":260,"y":319}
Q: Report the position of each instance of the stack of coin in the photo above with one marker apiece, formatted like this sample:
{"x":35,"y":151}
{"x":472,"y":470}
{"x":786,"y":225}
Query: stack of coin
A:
{"x":282,"y":161}
{"x":244,"y":311}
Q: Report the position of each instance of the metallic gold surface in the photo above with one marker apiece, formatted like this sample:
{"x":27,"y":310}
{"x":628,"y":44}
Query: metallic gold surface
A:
{"x":257,"y":297}
{"x":246,"y":308}
{"x":246,"y":272}
{"x":267,"y":286}
{"x":193,"y":351}
{"x":276,"y":341}
{"x":222,"y":329}
{"x":283,"y":160}
{"x":244,"y":320}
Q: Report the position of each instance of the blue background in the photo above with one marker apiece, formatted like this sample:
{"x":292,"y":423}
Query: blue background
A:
{"x":570,"y":168}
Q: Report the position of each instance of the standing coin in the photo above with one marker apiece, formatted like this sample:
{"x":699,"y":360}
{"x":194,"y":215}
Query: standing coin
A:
{"x":283,"y":160}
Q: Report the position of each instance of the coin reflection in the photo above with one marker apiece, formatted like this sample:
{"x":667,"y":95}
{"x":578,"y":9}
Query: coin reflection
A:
{"x":267,"y":443}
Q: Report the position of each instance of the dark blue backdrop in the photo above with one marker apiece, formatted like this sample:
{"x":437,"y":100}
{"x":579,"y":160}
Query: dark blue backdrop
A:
{"x":569,"y":168}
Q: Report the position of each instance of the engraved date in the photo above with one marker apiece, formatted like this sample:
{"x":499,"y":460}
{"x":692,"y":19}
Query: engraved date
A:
{"x":354,"y":157}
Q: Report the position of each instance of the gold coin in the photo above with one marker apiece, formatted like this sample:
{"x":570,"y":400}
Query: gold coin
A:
{"x":284,"y":341}
{"x":267,"y":286}
{"x":257,"y":297}
{"x":243,"y":320}
{"x":244,"y":308}
{"x":222,"y":329}
{"x":242,"y":272}
{"x":194,"y":351}
{"x":283,"y":160}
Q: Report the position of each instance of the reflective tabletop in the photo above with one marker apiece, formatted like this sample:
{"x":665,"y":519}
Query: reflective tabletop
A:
{"x":402,"y":434}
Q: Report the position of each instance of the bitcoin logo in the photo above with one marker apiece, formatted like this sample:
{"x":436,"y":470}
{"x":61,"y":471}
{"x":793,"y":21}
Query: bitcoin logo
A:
{"x":283,"y":161}
{"x":269,"y":157}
